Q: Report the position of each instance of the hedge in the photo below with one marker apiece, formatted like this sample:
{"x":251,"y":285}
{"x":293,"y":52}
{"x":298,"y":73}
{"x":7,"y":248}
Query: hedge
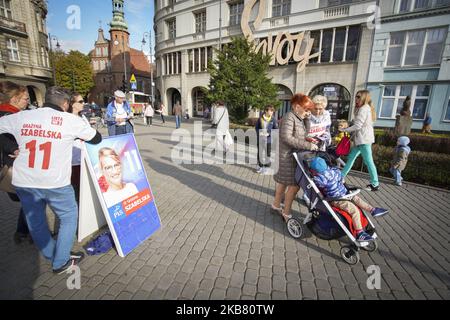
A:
{"x":418,"y":142}
{"x":428,"y":168}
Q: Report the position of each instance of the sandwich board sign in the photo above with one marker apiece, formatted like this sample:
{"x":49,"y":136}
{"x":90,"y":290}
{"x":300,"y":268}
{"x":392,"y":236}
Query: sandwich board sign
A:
{"x":116,"y":173}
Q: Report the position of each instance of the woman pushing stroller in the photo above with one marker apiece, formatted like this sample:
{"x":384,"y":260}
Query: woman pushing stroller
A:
{"x":329,"y":181}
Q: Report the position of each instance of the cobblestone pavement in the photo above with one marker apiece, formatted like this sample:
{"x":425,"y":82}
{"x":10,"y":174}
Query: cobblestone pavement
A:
{"x":220,"y":241}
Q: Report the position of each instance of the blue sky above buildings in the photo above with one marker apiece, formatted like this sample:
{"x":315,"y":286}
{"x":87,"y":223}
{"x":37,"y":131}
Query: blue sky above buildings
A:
{"x":138,"y":14}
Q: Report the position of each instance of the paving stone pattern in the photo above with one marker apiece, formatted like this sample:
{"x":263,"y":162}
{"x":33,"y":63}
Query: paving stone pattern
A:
{"x":220,"y":241}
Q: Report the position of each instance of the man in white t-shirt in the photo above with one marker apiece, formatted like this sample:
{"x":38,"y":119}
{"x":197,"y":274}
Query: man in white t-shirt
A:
{"x":41,"y":172}
{"x":119,"y":115}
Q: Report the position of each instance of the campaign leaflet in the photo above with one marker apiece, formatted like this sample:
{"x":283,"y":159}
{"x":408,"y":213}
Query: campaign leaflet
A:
{"x":124,"y":191}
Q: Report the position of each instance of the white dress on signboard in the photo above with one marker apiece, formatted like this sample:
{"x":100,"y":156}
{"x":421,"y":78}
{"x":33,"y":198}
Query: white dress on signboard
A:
{"x":113,"y":197}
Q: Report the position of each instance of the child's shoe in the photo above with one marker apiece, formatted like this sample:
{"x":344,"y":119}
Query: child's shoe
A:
{"x":364,"y":237}
{"x":378,"y":212}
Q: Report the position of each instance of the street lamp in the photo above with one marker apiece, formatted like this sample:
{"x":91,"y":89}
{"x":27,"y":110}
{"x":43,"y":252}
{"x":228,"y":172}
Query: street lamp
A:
{"x":149,"y":36}
{"x":116,"y":43}
{"x":58,"y":46}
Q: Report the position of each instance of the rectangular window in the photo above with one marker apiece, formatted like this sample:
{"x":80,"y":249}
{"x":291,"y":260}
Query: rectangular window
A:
{"x":447,"y":112}
{"x":339,"y":44}
{"x":422,"y":4}
{"x":5,"y":9}
{"x":191,"y":62}
{"x":179,"y":62}
{"x":13,"y":50}
{"x":316,"y":46}
{"x":423,"y":47}
{"x":327,"y":43}
{"x":281,"y":8}
{"x":396,"y":48}
{"x":388,"y":102}
{"x":203,"y":59}
{"x":405,"y":6}
{"x":354,"y":34}
{"x":236,"y":9}
{"x":414,"y":47}
{"x":171,"y":29}
{"x":200,"y":22}
{"x":394,"y":97}
{"x":196,"y":60}
{"x":434,"y":46}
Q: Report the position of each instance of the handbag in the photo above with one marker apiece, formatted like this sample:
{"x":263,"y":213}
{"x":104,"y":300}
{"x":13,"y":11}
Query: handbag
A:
{"x":214,"y":125}
{"x":6,"y":179}
{"x":343,"y":147}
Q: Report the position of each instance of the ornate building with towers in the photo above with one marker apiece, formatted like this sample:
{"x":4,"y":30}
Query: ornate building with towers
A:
{"x":114,"y":61}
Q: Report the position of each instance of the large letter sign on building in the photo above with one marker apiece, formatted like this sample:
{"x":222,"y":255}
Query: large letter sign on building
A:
{"x":124,"y":191}
{"x":295,"y":50}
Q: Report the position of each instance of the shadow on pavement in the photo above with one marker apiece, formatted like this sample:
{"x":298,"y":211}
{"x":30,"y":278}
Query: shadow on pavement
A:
{"x":240,"y":203}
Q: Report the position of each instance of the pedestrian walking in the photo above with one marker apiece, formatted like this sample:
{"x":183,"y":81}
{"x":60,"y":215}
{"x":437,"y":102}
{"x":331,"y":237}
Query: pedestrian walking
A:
{"x":398,"y":164}
{"x":364,"y":137}
{"x":119,"y":115}
{"x":161,"y":112}
{"x":149,"y":113}
{"x":264,"y":126}
{"x":222,"y":124}
{"x":178,"y":114}
{"x":41,"y":172}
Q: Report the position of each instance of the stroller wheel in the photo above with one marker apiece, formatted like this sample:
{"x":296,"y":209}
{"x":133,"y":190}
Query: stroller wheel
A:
{"x":371,"y":247}
{"x":350,"y":255}
{"x":294,"y":228}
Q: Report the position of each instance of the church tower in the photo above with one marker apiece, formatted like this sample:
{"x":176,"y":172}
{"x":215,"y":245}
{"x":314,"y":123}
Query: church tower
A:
{"x":119,"y":44}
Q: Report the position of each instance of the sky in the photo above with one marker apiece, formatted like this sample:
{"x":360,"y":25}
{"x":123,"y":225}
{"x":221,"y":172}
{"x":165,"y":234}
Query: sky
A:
{"x":75,"y":23}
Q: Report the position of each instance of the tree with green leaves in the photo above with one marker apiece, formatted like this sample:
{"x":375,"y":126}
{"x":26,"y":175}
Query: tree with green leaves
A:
{"x":73,"y":71}
{"x":239,"y":77}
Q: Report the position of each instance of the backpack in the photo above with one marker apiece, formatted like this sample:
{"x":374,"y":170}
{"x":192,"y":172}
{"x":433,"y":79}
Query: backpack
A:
{"x":102,"y":244}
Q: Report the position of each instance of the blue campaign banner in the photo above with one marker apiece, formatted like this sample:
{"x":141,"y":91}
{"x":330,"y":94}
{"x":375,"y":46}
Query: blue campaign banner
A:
{"x":123,"y":190}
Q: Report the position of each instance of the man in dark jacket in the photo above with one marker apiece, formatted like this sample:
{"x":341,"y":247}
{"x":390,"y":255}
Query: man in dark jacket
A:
{"x":266,"y":123}
{"x":14,"y":99}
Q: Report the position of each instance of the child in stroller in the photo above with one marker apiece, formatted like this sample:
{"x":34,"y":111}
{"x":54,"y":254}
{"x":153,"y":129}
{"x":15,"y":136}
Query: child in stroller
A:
{"x":329,"y":182}
{"x":324,"y":219}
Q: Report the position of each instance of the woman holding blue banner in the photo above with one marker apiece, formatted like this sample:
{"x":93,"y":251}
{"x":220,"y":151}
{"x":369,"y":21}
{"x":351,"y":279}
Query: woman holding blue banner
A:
{"x":119,"y":115}
{"x":116,"y":189}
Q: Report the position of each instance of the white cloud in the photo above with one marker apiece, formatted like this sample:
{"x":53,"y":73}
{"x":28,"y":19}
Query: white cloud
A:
{"x":67,"y":45}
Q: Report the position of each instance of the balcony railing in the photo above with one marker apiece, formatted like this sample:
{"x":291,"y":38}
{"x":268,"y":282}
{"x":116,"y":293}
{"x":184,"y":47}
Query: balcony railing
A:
{"x":13,"y":26}
{"x":337,"y":12}
{"x":279,"y":21}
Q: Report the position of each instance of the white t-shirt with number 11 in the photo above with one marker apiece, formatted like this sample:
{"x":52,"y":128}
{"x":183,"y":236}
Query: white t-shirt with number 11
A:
{"x":45,"y":137}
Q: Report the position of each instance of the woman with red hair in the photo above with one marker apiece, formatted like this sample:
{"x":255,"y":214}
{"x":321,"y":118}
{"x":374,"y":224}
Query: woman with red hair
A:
{"x":292,"y":138}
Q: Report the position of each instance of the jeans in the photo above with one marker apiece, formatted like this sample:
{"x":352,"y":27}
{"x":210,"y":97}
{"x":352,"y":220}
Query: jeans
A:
{"x":397,"y":175}
{"x":264,"y":152}
{"x":178,"y":121}
{"x":62,"y":202}
{"x":149,"y":120}
{"x":366,"y":152}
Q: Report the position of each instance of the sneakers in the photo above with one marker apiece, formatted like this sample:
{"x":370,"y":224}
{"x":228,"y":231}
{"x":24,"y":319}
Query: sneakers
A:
{"x":371,"y":187}
{"x":398,"y":183}
{"x":259,"y":169}
{"x":75,"y":259}
{"x":378,"y":212}
{"x":364,"y":237}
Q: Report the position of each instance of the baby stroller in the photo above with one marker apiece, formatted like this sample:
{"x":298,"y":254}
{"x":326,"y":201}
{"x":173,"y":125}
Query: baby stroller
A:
{"x":323,"y":220}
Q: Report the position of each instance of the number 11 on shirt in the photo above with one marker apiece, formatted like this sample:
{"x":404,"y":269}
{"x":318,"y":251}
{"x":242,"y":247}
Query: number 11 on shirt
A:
{"x":45,"y":147}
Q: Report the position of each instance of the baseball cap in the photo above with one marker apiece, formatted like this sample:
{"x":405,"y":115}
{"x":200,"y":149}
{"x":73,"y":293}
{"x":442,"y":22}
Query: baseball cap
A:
{"x":119,"y":94}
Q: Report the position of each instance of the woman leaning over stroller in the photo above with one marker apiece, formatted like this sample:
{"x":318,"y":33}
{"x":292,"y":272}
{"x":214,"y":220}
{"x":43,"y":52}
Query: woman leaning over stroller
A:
{"x":364,"y":137}
{"x":292,"y":138}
